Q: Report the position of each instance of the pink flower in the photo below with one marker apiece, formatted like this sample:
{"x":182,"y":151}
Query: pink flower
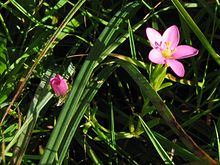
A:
{"x":59,"y":85}
{"x":166,"y":49}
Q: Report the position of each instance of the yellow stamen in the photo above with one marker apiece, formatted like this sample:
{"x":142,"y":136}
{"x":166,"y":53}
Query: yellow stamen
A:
{"x":167,"y":52}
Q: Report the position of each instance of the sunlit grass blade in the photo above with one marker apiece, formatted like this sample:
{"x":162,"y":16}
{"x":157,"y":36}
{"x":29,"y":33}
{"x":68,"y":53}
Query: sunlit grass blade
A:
{"x":131,"y":41}
{"x":95,"y":56}
{"x":6,"y":31}
{"x":138,"y":63}
{"x":31,"y":17}
{"x":40,"y":37}
{"x":24,"y":138}
{"x":217,"y":140}
{"x":49,"y":44}
{"x":58,"y":5}
{"x":3,"y":52}
{"x":41,"y":98}
{"x":196,"y":30}
{"x":89,"y":94}
{"x":156,"y":144}
{"x":23,"y":10}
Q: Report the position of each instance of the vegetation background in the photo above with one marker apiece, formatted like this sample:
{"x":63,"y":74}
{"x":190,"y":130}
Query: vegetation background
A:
{"x":120,"y":108}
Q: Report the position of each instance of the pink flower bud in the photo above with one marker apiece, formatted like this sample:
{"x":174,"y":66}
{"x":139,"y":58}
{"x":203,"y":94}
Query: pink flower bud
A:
{"x":59,"y":85}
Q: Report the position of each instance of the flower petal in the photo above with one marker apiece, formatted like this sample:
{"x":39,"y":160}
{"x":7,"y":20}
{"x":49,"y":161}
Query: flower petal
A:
{"x":155,"y":56}
{"x":177,"y":67}
{"x":172,"y":36}
{"x":154,"y":37}
{"x":63,"y":87}
{"x":184,"y":51}
{"x":59,"y":85}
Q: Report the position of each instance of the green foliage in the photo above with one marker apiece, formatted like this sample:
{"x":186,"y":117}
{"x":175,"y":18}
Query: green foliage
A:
{"x":3,"y":53}
{"x":120,"y":108}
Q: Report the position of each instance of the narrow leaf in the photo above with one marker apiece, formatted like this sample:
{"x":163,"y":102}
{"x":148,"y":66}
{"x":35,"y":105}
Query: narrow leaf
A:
{"x":196,"y":30}
{"x":156,"y":144}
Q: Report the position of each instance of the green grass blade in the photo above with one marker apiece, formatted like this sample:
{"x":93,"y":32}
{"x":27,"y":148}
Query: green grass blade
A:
{"x":24,"y":11}
{"x":196,"y":30}
{"x":112,"y":126}
{"x":49,"y":44}
{"x":148,"y":92}
{"x":91,"y":153}
{"x":3,"y":52}
{"x":41,"y":98}
{"x":179,"y":150}
{"x":131,"y":41}
{"x":88,"y":96}
{"x":135,"y":62}
{"x":58,"y":5}
{"x":37,"y":44}
{"x":95,"y":56}
{"x":6,"y":31}
{"x":218,"y":142}
{"x":155,"y":142}
{"x":33,"y":111}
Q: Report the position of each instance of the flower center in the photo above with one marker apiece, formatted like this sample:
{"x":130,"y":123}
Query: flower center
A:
{"x":167,"y":52}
